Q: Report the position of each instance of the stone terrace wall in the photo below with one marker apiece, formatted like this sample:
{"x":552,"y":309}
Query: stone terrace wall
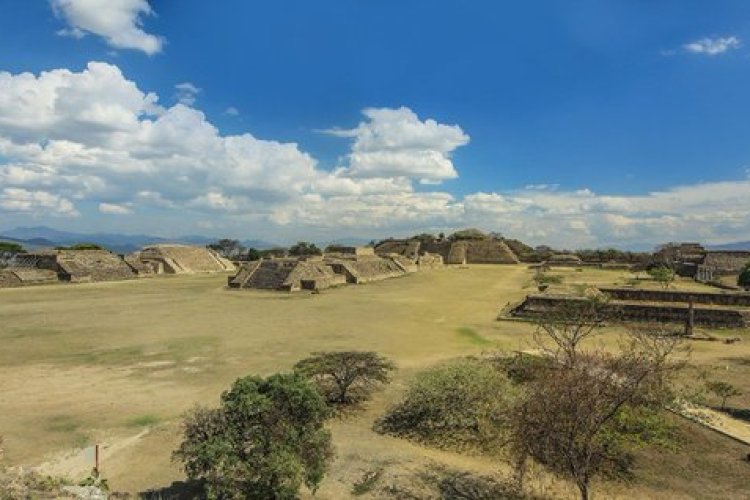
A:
{"x":537,"y":305}
{"x":178,"y":259}
{"x":727,"y":262}
{"x":312,"y":275}
{"x":489,"y":251}
{"x":720,"y":299}
{"x":92,"y":265}
{"x":9,"y":279}
{"x":363,"y":270}
{"x":430,"y":261}
{"x":407,"y":248}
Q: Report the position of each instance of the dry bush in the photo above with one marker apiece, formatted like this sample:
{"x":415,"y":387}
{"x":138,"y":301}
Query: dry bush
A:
{"x":463,"y":404}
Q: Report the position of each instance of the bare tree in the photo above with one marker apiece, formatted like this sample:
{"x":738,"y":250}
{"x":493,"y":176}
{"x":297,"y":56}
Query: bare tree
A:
{"x":568,"y":324}
{"x":572,"y":417}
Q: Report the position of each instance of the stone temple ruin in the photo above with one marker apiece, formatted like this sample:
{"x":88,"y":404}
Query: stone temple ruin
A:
{"x":694,"y":261}
{"x":73,"y":266}
{"x":85,"y":266}
{"x":464,"y":247}
{"x":338,"y":266}
{"x":178,"y":259}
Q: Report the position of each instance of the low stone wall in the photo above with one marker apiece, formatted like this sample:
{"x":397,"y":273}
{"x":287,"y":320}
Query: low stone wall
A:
{"x":430,"y":261}
{"x":17,"y":277}
{"x":81,"y":266}
{"x":536,"y":306}
{"x":719,"y":299}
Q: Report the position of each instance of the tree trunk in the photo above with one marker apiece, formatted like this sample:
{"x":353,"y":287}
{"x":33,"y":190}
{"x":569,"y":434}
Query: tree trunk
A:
{"x":583,"y":487}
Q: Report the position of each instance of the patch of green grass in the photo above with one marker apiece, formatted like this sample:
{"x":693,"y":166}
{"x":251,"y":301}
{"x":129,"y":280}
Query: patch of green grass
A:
{"x":550,"y":279}
{"x":143,"y":421}
{"x":181,"y":349}
{"x":63,"y":423}
{"x":116,"y":356}
{"x":81,"y":440}
{"x":471,"y":335}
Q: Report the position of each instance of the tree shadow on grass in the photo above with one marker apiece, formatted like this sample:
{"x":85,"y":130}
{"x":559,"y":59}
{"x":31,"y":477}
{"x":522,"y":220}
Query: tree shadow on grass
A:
{"x":178,"y":490}
{"x":738,"y":413}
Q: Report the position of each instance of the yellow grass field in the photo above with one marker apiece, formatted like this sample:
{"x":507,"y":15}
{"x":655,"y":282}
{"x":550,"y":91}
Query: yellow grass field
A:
{"x":118,"y":363}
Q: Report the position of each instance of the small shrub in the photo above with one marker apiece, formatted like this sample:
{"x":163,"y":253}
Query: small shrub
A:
{"x":367,"y":482}
{"x":744,"y":278}
{"x":462,"y":404}
{"x":548,"y":279}
{"x":723,"y":390}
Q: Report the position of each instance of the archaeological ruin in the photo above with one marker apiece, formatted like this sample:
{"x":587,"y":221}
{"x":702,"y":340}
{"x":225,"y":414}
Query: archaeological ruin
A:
{"x":179,"y":259}
{"x":463,"y":247}
{"x":715,"y":310}
{"x":694,"y":261}
{"x":338,"y":266}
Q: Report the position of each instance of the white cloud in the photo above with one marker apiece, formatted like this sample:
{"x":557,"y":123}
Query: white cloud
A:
{"x":231,"y":111}
{"x":93,"y":138}
{"x":187,"y":93}
{"x":119,"y":22}
{"x":115,"y":209}
{"x":713,"y":46}
{"x":36,"y":202}
{"x":396,"y":143}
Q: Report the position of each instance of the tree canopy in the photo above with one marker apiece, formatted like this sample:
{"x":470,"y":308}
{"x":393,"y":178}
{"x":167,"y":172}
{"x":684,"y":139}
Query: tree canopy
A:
{"x":744,"y":277}
{"x":347,"y":376}
{"x":265,"y":440}
{"x":302,"y":248}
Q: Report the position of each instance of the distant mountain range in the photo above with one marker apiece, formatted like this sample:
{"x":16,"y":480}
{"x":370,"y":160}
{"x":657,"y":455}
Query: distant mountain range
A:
{"x":740,"y":245}
{"x":43,"y":236}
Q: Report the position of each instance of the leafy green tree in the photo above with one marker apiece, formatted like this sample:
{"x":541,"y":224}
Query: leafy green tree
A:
{"x":723,"y":390}
{"x":346,"y":377}
{"x":274,"y":252}
{"x":228,"y":248}
{"x":265,"y":440}
{"x":664,"y":275}
{"x":302,"y":248}
{"x":82,"y":246}
{"x":252,"y":254}
{"x":11,"y":248}
{"x":744,"y":277}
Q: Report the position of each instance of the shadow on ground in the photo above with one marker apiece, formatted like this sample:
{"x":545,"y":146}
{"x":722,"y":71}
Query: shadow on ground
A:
{"x":179,"y":490}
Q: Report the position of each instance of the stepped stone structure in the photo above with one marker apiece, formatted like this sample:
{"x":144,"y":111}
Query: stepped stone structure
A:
{"x":74,"y":266}
{"x":15,"y":277}
{"x":464,"y":247}
{"x":287,"y":274}
{"x":79,"y":266}
{"x":344,"y":265}
{"x":694,"y":261}
{"x":179,"y":259}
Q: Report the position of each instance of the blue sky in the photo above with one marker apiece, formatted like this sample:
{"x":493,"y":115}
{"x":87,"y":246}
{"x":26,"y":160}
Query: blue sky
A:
{"x":582,"y":123}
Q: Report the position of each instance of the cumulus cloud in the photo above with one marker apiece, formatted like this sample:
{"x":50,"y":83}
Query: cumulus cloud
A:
{"x":119,"y":22}
{"x":35,"y":202}
{"x":712,"y":46}
{"x":94,"y":138}
{"x":232,"y":111}
{"x":396,"y":143}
